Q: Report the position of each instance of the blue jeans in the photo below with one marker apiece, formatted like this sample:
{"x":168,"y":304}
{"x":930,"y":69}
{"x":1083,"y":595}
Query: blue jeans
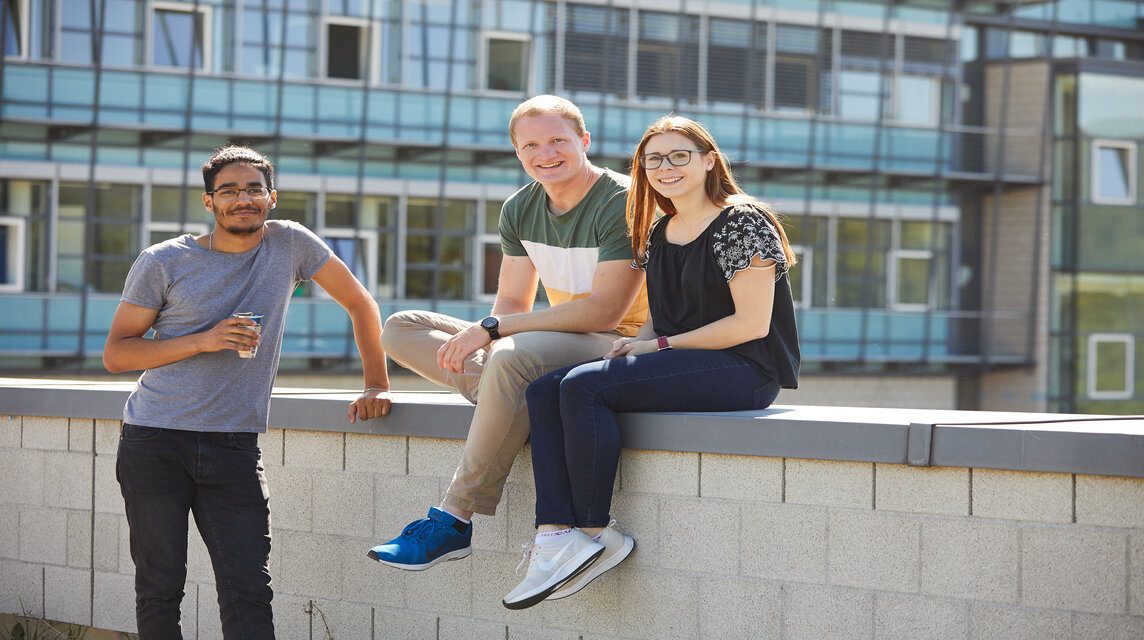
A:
{"x":575,"y":437}
{"x":164,"y":474}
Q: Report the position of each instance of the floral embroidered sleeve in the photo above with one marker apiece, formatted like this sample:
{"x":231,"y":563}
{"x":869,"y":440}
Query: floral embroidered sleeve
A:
{"x":744,"y":235}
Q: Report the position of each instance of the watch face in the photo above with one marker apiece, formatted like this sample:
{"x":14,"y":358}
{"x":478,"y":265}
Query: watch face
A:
{"x":490,"y":323}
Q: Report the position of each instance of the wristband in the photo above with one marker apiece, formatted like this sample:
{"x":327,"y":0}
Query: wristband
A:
{"x":377,"y":389}
{"x":663,"y":345}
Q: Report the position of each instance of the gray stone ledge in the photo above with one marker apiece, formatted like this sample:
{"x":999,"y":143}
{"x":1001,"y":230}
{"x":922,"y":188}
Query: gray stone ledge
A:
{"x":1041,"y":442}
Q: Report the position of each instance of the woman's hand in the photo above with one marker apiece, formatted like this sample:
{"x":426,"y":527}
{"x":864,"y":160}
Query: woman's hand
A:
{"x":631,"y":347}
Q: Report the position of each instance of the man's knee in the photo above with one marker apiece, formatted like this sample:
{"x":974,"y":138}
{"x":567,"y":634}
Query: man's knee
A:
{"x":395,"y":325}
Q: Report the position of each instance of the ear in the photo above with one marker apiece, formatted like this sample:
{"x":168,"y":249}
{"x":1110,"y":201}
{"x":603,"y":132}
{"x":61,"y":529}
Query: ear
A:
{"x":207,"y":202}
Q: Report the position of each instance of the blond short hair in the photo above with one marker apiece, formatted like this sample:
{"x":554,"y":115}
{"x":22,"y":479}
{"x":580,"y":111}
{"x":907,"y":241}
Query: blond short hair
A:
{"x":544,"y":104}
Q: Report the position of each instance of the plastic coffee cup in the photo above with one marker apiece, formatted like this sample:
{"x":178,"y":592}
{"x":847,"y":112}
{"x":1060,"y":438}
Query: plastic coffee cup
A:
{"x":257,"y":318}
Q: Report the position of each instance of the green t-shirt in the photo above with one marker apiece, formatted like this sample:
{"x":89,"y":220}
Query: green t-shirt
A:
{"x":565,"y":249}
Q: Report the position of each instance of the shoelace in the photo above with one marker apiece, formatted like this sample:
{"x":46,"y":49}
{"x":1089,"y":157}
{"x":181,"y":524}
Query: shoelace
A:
{"x":527,"y":548}
{"x":419,"y":530}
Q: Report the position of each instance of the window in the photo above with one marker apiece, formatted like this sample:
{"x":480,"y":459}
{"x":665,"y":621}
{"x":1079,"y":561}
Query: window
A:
{"x":11,"y":254}
{"x":1111,"y":366}
{"x":797,"y":67}
{"x":278,"y":41}
{"x":365,"y":238}
{"x":918,"y":100}
{"x":180,"y":36}
{"x":358,"y":249}
{"x":491,"y":254}
{"x":122,"y":39}
{"x":596,"y":49}
{"x":175,"y":211}
{"x":801,"y":275}
{"x":863,"y":248}
{"x":1113,"y":172}
{"x":909,"y":279}
{"x":667,"y":56}
{"x":736,"y":61}
{"x":506,"y":62}
{"x":14,"y":32}
{"x":110,"y":231}
{"x":444,"y":247}
{"x":347,"y":49}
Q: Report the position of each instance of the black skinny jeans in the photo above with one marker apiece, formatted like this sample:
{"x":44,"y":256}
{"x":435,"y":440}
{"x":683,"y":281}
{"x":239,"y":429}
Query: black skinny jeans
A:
{"x":164,"y":474}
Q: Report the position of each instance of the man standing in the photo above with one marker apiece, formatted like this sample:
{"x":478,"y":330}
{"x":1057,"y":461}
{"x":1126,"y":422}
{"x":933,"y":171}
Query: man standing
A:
{"x":190,"y":427}
{"x":566,"y":229}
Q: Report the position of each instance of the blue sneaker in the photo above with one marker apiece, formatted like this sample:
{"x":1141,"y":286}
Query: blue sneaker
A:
{"x":426,"y":542}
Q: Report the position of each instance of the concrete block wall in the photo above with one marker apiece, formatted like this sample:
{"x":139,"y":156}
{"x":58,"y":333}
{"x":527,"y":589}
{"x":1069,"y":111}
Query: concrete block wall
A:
{"x":727,"y":546}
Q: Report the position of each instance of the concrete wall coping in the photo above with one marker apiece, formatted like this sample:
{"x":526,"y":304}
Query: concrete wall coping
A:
{"x":1040,"y":442}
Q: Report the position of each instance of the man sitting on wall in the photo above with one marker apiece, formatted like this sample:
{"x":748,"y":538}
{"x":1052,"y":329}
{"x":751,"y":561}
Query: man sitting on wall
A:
{"x":566,"y":229}
{"x":189,"y":443}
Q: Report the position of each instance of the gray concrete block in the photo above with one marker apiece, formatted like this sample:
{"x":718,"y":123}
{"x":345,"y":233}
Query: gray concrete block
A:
{"x":67,"y":480}
{"x":108,"y":497}
{"x":45,"y":433}
{"x":595,"y":610}
{"x":518,"y":507}
{"x":114,"y":602}
{"x":909,"y":618}
{"x":67,"y":595}
{"x":22,"y":476}
{"x":1109,"y":501}
{"x":784,"y":542}
{"x":314,"y":449}
{"x":294,"y":619}
{"x":1075,"y":569}
{"x":830,"y":484}
{"x":22,"y":589}
{"x":447,"y":589}
{"x":383,"y":455}
{"x":970,"y":560}
{"x":1018,"y":495}
{"x":815,"y":613}
{"x":990,"y":622}
{"x":521,"y":632}
{"x":938,"y":490}
{"x":1136,"y":573}
{"x":1106,"y":627}
{"x":107,"y":436}
{"x":366,"y":581}
{"x":434,"y":457}
{"x":10,"y":431}
{"x":748,"y":478}
{"x":105,"y":555}
{"x":471,"y":629}
{"x":399,"y":500}
{"x":272,"y":443}
{"x":494,"y":575}
{"x":189,"y":612}
{"x":522,"y":467}
{"x":9,"y":531}
{"x":81,"y":434}
{"x":874,"y":551}
{"x":331,"y":619}
{"x":638,"y":515}
{"x":701,"y":536}
{"x":396,"y":624}
{"x":739,"y":608}
{"x":79,"y":539}
{"x":658,"y":604}
{"x":662,"y":472}
{"x":208,"y":620}
{"x":308,"y":565}
{"x":200,"y":567}
{"x":126,"y":563}
{"x":291,"y":498}
{"x":343,"y":503}
{"x":43,"y":536}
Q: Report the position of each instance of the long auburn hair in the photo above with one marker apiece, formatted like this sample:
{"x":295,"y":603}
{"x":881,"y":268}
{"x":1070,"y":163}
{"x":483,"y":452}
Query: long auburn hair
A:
{"x":721,"y":188}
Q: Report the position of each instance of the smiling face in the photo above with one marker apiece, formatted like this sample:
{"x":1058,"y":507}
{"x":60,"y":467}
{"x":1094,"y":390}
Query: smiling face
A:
{"x":675,"y":182}
{"x":550,"y":150}
{"x":242,"y":215}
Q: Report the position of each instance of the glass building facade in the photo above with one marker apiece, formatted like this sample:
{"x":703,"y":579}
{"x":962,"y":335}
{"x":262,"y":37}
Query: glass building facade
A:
{"x":912,"y":147}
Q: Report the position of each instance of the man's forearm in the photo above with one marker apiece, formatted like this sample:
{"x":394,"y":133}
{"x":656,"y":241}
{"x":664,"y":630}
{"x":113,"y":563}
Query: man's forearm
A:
{"x":367,"y":335}
{"x":583,"y":315}
{"x":138,"y":354}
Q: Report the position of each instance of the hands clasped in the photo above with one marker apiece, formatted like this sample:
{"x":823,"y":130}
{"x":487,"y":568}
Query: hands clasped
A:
{"x":630,"y":347}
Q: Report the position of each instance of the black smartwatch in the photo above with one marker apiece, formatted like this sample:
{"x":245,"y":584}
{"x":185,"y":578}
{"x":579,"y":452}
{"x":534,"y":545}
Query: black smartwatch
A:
{"x":492,"y":325}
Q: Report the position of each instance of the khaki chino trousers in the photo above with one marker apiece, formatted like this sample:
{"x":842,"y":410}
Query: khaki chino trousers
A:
{"x":494,"y":380}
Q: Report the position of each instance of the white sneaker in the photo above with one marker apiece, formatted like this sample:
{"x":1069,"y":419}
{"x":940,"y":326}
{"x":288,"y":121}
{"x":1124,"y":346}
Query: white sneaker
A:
{"x":617,"y":546}
{"x":550,"y":566}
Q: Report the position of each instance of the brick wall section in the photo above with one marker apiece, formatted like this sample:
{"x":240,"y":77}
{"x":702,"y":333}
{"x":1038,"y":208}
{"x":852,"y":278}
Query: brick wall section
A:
{"x":727,"y":546}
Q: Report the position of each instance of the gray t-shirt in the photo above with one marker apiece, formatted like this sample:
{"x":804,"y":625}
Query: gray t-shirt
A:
{"x":194,"y":289}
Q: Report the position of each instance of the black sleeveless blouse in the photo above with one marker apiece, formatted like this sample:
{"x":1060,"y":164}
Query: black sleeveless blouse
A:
{"x":688,"y":285}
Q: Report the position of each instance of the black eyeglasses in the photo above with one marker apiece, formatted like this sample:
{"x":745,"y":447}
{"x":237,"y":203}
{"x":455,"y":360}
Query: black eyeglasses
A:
{"x":676,"y":158}
{"x":231,"y":193}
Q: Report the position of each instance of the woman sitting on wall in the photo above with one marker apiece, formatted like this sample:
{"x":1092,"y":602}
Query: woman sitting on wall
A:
{"x":721,"y":336}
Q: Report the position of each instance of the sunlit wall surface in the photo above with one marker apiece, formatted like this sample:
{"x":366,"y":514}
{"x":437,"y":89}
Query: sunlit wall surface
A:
{"x":866,"y":123}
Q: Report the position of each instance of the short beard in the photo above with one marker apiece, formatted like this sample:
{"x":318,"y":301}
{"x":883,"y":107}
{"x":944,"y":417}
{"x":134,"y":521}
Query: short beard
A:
{"x":243,"y":231}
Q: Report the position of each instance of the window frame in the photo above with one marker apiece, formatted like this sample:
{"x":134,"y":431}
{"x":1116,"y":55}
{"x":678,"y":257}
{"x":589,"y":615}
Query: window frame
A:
{"x":1094,"y":174}
{"x":526,"y":71}
{"x":371,"y":244}
{"x":207,"y":44}
{"x":370,"y":49}
{"x":1129,"y":342}
{"x":892,"y":280}
{"x":23,"y":30}
{"x":166,"y":226}
{"x":17,"y":254}
{"x":805,"y":264}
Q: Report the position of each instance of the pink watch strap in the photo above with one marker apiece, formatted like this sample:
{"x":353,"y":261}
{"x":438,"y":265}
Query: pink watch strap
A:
{"x":662,"y":342}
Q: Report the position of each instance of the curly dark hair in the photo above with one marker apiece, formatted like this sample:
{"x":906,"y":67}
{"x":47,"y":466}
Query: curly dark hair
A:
{"x":234,"y":154}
